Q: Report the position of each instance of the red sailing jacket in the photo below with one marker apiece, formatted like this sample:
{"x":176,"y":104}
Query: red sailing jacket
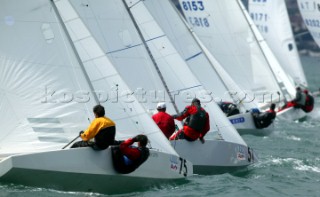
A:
{"x":165,"y":122}
{"x":133,"y":153}
{"x":188,"y":131}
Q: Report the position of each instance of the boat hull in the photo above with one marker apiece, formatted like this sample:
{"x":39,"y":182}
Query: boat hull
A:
{"x":215,"y":157}
{"x":86,"y":170}
{"x":245,"y":125}
{"x":292,"y":114}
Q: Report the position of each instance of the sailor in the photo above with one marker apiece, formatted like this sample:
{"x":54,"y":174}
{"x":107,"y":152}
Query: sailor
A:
{"x":196,"y":125}
{"x":229,"y":108}
{"x":264,"y":119}
{"x":300,"y":98}
{"x":298,"y":101}
{"x":308,"y":107}
{"x":164,"y":121}
{"x":127,"y":158}
{"x":101,"y":132}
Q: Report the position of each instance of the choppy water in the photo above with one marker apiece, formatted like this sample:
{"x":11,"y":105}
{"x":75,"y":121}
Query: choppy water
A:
{"x":289,"y":163}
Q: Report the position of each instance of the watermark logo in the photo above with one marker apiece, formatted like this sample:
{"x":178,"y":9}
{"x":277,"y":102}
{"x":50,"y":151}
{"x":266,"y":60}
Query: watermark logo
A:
{"x":142,"y":95}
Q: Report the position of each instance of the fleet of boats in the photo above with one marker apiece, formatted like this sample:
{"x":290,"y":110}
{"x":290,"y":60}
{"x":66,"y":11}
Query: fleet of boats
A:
{"x":59,"y":58}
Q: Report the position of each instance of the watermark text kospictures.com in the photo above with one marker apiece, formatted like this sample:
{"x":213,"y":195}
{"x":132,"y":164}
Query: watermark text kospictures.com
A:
{"x":153,"y":96}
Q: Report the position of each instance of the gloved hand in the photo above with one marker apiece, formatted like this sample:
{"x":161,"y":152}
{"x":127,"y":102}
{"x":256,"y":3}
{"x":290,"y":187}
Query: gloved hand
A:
{"x":81,"y":132}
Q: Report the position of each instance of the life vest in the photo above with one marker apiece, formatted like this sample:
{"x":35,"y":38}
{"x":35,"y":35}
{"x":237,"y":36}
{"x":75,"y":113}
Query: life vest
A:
{"x":229,"y":108}
{"x":105,"y":137}
{"x":308,"y":107}
{"x":263,"y":120}
{"x":125,"y":165}
{"x":165,"y":122}
{"x":197,"y":120}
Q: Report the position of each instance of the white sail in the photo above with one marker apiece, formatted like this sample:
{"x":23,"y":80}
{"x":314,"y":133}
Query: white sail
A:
{"x":145,"y":58}
{"x":135,"y":61}
{"x":52,"y":73}
{"x":204,"y":66}
{"x":272,"y":20}
{"x":284,"y":81}
{"x":48,"y":93}
{"x":228,"y":33}
{"x":310,"y":12}
{"x":121,"y":105}
{"x":202,"y":63}
{"x":45,"y":99}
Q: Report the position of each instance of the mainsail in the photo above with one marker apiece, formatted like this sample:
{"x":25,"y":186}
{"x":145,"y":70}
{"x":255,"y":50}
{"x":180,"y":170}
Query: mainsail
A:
{"x":44,"y":95}
{"x":271,"y":18}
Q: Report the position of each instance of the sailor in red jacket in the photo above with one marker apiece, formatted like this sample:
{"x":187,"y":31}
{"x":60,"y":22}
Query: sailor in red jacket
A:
{"x":308,"y":107}
{"x":135,"y":154}
{"x":164,"y":121}
{"x":127,"y":158}
{"x":196,"y":125}
{"x":263,"y":120}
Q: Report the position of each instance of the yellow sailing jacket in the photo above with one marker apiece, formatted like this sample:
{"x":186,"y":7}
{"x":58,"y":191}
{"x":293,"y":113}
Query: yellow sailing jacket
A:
{"x":96,"y":125}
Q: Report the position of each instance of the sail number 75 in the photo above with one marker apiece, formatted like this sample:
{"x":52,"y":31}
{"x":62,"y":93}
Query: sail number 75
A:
{"x":183,"y":165}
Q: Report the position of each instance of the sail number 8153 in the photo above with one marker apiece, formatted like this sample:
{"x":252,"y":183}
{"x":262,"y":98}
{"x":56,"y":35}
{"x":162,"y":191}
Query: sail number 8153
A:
{"x":192,"y":5}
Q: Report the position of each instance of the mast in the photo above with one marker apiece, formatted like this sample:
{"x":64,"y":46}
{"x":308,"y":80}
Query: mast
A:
{"x":74,"y":50}
{"x":151,"y":56}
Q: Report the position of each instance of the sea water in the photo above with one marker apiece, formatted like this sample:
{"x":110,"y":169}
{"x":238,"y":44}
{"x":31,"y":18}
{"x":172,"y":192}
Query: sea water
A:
{"x":289,"y":163}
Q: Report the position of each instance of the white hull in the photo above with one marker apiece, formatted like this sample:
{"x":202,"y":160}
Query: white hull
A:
{"x":84,"y":169}
{"x":291,"y":114}
{"x":214,"y":157}
{"x":245,"y":125}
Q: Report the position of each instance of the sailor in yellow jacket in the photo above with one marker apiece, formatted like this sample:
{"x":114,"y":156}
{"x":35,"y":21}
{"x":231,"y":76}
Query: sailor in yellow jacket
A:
{"x":102,"y":129}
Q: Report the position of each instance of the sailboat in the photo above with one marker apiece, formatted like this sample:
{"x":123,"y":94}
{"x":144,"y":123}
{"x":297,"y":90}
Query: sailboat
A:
{"x":228,"y":32}
{"x":310,"y":11}
{"x":50,"y":81}
{"x":272,"y":19}
{"x":205,"y":67}
{"x":146,"y":59}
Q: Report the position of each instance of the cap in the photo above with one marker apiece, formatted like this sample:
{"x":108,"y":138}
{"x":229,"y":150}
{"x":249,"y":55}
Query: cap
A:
{"x":161,"y":106}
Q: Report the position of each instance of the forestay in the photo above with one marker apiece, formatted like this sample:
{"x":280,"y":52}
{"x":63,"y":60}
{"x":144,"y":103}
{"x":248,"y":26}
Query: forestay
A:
{"x":272,"y":20}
